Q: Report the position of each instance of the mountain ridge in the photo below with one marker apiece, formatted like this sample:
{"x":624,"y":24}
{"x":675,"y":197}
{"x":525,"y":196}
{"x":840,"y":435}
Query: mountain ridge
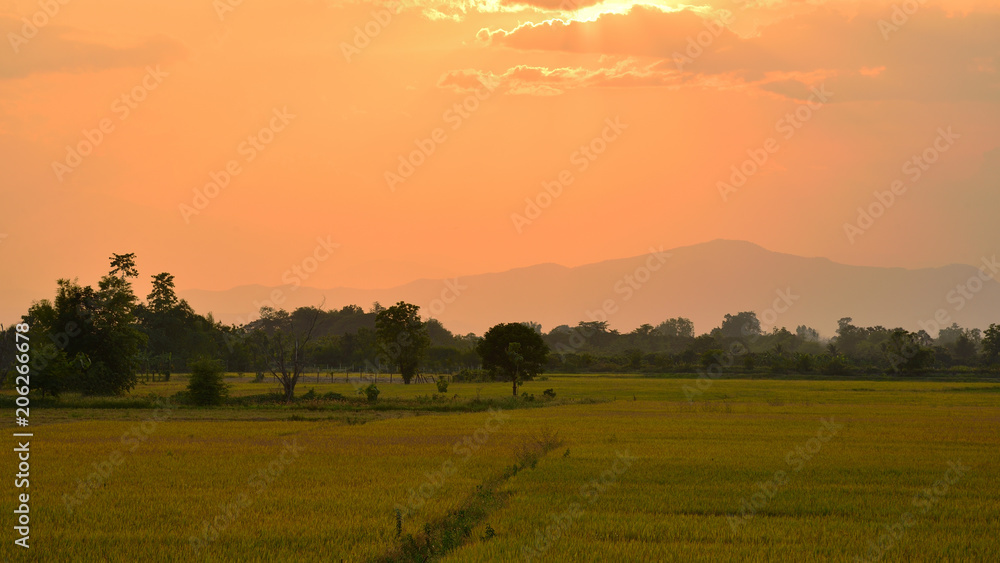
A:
{"x":702,"y":282}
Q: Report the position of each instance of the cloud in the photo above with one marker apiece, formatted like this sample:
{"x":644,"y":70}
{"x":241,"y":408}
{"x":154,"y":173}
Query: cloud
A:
{"x":934,"y":56}
{"x":540,"y":81}
{"x":61,"y":49}
{"x":552,"y":5}
{"x":641,"y":31}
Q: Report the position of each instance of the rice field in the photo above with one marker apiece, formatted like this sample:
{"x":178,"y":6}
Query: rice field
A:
{"x":752,"y":470}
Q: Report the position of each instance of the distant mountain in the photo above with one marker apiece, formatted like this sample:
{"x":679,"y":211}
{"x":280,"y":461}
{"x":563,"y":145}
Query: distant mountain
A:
{"x":701,"y":282}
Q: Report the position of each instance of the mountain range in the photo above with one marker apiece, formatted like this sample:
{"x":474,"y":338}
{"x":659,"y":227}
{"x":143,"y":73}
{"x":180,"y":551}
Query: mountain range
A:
{"x":702,"y":282}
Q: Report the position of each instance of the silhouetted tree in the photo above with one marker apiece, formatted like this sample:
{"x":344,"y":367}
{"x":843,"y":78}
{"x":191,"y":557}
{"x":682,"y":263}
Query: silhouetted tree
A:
{"x":402,"y":338}
{"x":527,"y":359}
{"x":741,"y":326}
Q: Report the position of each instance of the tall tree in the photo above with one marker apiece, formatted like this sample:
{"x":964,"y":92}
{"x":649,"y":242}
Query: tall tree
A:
{"x":176,"y":334}
{"x":113,"y":363}
{"x":123,"y":266}
{"x":402,"y":338}
{"x":162,"y":298}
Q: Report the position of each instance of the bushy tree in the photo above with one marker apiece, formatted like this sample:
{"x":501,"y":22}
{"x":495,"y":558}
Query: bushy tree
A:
{"x":88,"y":340}
{"x":402,"y":338}
{"x":514,"y":350}
{"x":676,"y":328}
{"x":904,"y":352}
{"x":207,"y":385}
{"x":849,"y":337}
{"x":740,"y":326}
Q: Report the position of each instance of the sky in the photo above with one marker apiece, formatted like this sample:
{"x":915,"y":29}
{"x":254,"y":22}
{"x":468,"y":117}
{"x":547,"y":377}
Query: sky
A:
{"x":368,"y":144}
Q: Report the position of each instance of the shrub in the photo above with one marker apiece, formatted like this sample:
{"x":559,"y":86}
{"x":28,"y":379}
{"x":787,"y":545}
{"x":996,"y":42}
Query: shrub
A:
{"x":549,"y":393}
{"x":207,"y":386}
{"x":442,"y":384}
{"x":370,"y":392}
{"x":311,"y":394}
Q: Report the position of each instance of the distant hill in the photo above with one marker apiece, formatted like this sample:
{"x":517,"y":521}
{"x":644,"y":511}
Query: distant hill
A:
{"x":701,"y":282}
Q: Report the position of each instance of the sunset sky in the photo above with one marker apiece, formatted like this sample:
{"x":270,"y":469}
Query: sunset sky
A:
{"x":643,"y":108}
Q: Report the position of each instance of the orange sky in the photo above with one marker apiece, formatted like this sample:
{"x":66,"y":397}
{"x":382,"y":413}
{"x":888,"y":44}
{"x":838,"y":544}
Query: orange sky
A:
{"x":333,"y":111}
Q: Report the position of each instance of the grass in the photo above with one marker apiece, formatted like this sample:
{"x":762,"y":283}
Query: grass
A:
{"x":643,"y":474}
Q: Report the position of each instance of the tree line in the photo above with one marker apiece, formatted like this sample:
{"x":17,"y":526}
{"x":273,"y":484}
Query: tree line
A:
{"x":105,"y":340}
